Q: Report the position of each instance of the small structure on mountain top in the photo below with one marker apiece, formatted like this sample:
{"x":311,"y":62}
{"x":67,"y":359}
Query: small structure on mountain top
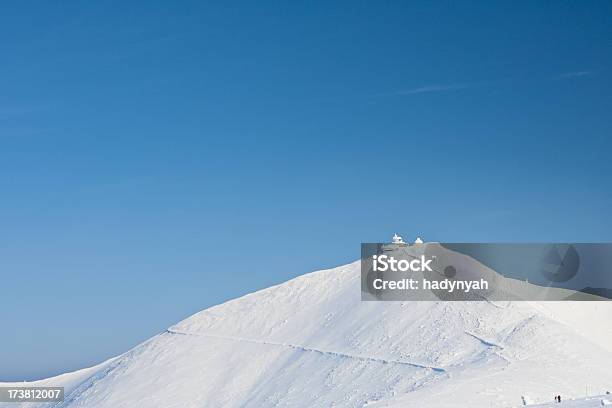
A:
{"x":418,"y":240}
{"x":398,"y":240}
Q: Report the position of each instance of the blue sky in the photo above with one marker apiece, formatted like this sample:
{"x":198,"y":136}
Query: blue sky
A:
{"x":159,"y":158}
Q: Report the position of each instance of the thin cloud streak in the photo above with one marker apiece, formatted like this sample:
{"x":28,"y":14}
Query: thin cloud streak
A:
{"x":575,"y":74}
{"x":17,"y":110}
{"x":433,"y":88}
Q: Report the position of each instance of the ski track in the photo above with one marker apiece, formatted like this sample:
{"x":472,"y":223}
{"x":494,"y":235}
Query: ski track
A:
{"x":311,"y":349}
{"x":484,"y":341}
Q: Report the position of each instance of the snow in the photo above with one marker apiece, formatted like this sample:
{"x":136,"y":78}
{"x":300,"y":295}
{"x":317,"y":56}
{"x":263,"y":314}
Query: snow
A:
{"x":311,"y":342}
{"x":70,"y":381}
{"x":585,"y":402}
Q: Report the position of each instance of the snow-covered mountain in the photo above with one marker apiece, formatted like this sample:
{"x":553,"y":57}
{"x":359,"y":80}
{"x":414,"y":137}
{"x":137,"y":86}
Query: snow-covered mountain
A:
{"x":311,"y":342}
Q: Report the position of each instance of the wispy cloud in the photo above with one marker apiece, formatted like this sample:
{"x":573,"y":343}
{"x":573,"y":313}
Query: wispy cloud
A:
{"x":575,"y":74}
{"x":17,"y":110}
{"x":433,"y":88}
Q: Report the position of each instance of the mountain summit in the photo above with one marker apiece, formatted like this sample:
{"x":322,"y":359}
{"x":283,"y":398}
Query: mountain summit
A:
{"x":311,"y":342}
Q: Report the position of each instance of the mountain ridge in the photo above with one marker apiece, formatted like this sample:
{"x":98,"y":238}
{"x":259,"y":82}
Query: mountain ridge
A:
{"x":311,"y":342}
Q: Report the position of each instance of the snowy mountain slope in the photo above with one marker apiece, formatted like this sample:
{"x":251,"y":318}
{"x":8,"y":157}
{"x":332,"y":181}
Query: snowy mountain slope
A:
{"x":70,"y":381}
{"x":584,"y":402}
{"x":311,"y":342}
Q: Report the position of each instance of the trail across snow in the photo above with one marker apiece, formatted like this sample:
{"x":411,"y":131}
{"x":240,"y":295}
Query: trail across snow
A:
{"x":309,"y":349}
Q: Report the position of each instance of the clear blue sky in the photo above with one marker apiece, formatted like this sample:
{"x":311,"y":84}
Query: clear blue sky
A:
{"x":159,"y":158}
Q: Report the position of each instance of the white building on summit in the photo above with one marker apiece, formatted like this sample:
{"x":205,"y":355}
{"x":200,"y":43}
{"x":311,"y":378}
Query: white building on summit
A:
{"x":398,"y":240}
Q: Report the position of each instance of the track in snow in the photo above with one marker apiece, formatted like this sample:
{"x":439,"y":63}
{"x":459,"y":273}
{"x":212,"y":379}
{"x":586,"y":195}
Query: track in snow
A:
{"x":311,"y":349}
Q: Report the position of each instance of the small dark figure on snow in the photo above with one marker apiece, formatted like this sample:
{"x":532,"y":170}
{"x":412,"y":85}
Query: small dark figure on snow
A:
{"x":558,"y":396}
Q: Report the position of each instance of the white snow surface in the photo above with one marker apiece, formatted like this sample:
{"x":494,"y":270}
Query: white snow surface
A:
{"x":311,"y":342}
